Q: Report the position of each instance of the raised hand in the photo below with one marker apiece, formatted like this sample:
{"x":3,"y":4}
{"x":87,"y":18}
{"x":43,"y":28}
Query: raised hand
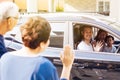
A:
{"x":67,"y":56}
{"x":98,"y":46}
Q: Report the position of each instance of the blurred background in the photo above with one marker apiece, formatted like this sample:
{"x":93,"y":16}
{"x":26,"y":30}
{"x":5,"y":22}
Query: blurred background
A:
{"x":109,"y":8}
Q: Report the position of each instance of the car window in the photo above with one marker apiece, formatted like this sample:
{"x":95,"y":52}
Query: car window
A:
{"x":77,"y":33}
{"x":57,"y":34}
{"x":78,"y":37}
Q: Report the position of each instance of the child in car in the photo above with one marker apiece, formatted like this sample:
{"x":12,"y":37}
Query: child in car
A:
{"x":109,"y":44}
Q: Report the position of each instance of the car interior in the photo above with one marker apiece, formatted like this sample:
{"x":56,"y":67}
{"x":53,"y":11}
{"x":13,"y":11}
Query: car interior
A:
{"x":77,"y":35}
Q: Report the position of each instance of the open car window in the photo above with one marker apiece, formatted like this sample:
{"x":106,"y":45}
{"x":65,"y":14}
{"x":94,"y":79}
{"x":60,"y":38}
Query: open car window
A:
{"x":77,"y":37}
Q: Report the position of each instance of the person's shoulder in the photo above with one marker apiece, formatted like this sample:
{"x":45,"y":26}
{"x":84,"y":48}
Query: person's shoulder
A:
{"x":45,"y":65}
{"x":7,"y":55}
{"x":80,"y":43}
{"x":46,"y":62}
{"x":113,"y":47}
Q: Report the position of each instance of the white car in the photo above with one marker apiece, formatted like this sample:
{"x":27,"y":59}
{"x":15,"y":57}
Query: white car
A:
{"x":87,"y":65}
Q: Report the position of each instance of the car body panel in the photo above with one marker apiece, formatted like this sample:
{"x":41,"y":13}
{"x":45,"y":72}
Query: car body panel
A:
{"x":65,"y":21}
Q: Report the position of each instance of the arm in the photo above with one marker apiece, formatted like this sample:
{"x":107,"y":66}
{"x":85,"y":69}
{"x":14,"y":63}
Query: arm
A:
{"x":67,"y":58}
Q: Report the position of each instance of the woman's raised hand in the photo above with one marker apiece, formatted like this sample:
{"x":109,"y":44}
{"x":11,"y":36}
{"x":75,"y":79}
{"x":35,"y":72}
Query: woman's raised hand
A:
{"x":98,"y":46}
{"x":67,"y":56}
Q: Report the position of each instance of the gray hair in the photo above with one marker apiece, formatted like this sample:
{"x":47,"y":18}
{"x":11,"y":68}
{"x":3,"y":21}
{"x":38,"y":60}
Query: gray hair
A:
{"x":8,"y":9}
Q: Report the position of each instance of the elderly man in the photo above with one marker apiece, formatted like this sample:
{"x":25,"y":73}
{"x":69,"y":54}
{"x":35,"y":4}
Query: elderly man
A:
{"x":8,"y":18}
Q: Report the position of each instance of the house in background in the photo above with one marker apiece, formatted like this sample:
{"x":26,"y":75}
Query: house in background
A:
{"x":5,"y":0}
{"x":92,"y":6}
{"x":115,"y":9}
{"x":109,"y":8}
{"x":22,"y":5}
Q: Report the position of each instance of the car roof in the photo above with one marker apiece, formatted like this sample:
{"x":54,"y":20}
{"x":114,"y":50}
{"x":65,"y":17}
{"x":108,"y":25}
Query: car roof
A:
{"x":89,"y":18}
{"x":63,"y":16}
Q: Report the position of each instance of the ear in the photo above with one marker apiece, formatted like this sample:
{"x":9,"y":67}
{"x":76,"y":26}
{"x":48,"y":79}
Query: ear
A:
{"x":42,"y":45}
{"x":9,"y":21}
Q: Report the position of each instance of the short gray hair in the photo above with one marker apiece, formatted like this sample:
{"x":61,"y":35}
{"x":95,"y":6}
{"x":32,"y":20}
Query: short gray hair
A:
{"x":8,"y":9}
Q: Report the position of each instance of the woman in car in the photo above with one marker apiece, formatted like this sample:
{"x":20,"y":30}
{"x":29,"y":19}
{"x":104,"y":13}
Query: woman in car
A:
{"x":27,"y":63}
{"x":85,"y":44}
{"x":101,"y":35}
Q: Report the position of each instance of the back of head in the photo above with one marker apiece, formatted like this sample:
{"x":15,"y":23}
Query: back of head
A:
{"x":8,"y":9}
{"x":35,"y":31}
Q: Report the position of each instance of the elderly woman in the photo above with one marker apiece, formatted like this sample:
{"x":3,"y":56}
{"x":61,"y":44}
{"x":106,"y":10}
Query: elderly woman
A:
{"x":27,"y":63}
{"x":8,"y":19}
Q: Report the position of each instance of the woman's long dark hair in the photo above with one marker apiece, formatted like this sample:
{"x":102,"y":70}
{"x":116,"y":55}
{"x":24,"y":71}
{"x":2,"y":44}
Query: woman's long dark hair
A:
{"x":99,"y":32}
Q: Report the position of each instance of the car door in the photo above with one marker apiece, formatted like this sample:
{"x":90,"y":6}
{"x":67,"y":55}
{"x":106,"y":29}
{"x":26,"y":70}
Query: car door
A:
{"x":91,"y":65}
